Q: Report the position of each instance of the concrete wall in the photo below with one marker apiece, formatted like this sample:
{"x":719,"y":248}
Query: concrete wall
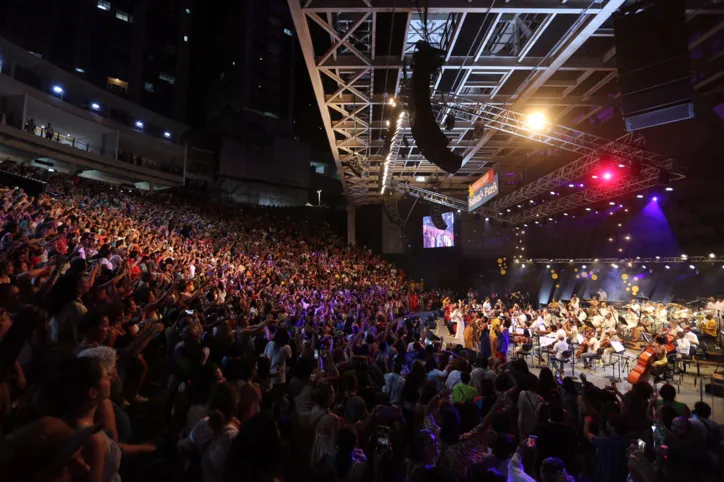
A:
{"x":14,"y":108}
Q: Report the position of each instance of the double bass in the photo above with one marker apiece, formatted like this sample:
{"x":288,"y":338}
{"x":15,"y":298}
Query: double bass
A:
{"x":643,"y":364}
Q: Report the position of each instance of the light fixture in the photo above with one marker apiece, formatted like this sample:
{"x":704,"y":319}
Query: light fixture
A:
{"x":683,"y":256}
{"x":50,"y":169}
{"x":584,"y":266}
{"x":570,"y":261}
{"x":607,"y":176}
{"x":420,"y":178}
{"x":95,"y":106}
{"x":565,"y":214}
{"x":531,"y":201}
{"x":80,"y":70}
{"x":536,"y":121}
{"x":612,"y":203}
{"x":58,"y":89}
{"x":553,"y":193}
{"x":550,"y":219}
{"x":139,"y":124}
{"x":691,"y":266}
{"x":459,"y":211}
{"x":167,"y":135}
{"x":621,"y":165}
{"x":508,"y":209}
{"x":610,"y":240}
{"x":667,"y":266}
{"x":487,"y":219}
{"x":629,"y":264}
{"x":588,"y":209}
{"x":654,"y":199}
{"x":620,"y":250}
{"x":595,"y":260}
{"x":712,"y":256}
{"x":594,"y":177}
{"x":627,"y":238}
{"x":614,"y":266}
{"x":548,"y":266}
{"x":522,"y":265}
{"x":571,"y":185}
{"x":669,"y":188}
{"x":643,"y":266}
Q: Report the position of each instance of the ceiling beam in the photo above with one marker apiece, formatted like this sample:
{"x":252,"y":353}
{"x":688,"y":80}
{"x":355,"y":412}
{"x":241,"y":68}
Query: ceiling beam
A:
{"x":459,"y":62}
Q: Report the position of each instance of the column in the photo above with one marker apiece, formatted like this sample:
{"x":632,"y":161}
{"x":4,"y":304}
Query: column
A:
{"x":351,"y":219}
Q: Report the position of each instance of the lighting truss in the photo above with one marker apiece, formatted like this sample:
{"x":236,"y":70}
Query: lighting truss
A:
{"x":593,"y":149}
{"x":427,"y":195}
{"x":391,"y":157}
{"x":624,"y":261}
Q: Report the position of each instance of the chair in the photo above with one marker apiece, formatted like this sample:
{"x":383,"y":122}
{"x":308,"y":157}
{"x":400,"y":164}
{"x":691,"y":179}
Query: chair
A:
{"x":526,"y":351}
{"x":598,"y":359}
{"x":560,"y":363}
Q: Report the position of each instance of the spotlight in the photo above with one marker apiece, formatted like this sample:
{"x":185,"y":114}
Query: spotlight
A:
{"x":643,"y":266}
{"x":508,"y":209}
{"x":610,"y":240}
{"x":691,"y":266}
{"x":58,"y":89}
{"x":487,"y":219}
{"x":627,"y":238}
{"x":607,"y":176}
{"x":669,"y":188}
{"x":622,"y":165}
{"x":167,"y":135}
{"x":548,"y":266}
{"x":614,"y":266}
{"x":139,"y":124}
{"x":50,"y":169}
{"x":420,"y":179}
{"x":683,"y":256}
{"x":536,"y":121}
{"x":640,"y":196}
{"x":667,"y":266}
{"x":522,"y":266}
{"x":570,"y":261}
{"x":571,"y":185}
{"x":553,"y":193}
{"x":459,"y":211}
{"x":580,"y":185}
{"x":595,"y":260}
{"x":712,"y":256}
{"x":584,"y":266}
{"x":95,"y":106}
{"x":594,"y":177}
{"x":630,"y":264}
{"x":565,"y":214}
{"x":612,"y":203}
{"x":588,"y":209}
{"x":654,"y":199}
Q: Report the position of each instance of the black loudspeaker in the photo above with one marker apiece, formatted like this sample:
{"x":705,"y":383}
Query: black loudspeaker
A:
{"x":427,"y":133}
{"x":438,"y":221}
{"x":652,"y":58}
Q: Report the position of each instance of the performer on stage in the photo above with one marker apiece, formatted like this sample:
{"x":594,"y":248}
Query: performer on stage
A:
{"x":459,"y":321}
{"x":485,"y":351}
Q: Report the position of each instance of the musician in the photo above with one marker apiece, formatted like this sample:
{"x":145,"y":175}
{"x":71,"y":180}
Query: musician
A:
{"x":581,"y":315}
{"x":674,"y":329}
{"x":691,"y":336}
{"x":554,"y":306}
{"x":603,"y":309}
{"x":593,"y":345}
{"x":608,"y":322}
{"x":547,"y":319}
{"x":487,"y":307}
{"x":575,"y":303}
{"x":596,"y":318}
{"x":631,"y":317}
{"x":659,"y":360}
{"x":606,"y":340}
{"x":661,"y":314}
{"x":560,"y":346}
{"x":709,"y":327}
{"x":635,"y":306}
{"x":539,"y":324}
{"x":602,"y":295}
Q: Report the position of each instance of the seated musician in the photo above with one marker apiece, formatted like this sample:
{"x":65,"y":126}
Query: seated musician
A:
{"x":593,"y":301}
{"x":673,"y":329}
{"x":575,"y":303}
{"x":539,"y":324}
{"x":635,"y":306}
{"x":596,"y":318}
{"x":559,"y":347}
{"x":547,"y":318}
{"x":593,"y":345}
{"x":554,"y":306}
{"x":609,"y":322}
{"x":659,"y":361}
{"x":683,"y":347}
{"x":642,"y":324}
{"x":709,"y":328}
{"x":606,"y":340}
{"x":581,"y":315}
{"x":691,"y":336}
{"x":661,"y":314}
{"x":521,"y":340}
{"x":603,"y":309}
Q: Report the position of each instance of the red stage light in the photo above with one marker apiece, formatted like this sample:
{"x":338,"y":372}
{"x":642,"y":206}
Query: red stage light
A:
{"x":607,"y":176}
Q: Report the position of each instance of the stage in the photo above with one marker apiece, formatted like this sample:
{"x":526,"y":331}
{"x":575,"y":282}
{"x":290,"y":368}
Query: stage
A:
{"x":690,"y":386}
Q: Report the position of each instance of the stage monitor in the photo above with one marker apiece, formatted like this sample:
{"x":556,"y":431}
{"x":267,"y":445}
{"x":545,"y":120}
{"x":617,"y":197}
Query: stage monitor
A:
{"x":438,"y":238}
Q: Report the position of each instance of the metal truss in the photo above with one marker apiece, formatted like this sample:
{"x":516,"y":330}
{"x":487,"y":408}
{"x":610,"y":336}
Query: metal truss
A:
{"x":501,"y":67}
{"x":429,"y":196}
{"x":625,"y":262}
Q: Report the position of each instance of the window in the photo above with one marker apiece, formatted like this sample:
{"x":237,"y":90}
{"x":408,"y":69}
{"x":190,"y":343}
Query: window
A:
{"x":148,"y":86}
{"x":104,"y":5}
{"x":80,"y":70}
{"x":186,"y":38}
{"x":117,"y":84}
{"x":287,"y":32}
{"x":126,"y":17}
{"x":167,"y":77}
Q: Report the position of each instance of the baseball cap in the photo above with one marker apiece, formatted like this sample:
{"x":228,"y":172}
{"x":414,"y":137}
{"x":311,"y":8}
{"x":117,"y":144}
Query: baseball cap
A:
{"x":45,"y":444}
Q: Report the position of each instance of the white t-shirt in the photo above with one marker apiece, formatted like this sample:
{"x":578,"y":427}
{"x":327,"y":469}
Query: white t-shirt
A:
{"x":682,"y":346}
{"x":559,"y":348}
{"x":594,"y":345}
{"x":278,"y":361}
{"x":691,"y":336}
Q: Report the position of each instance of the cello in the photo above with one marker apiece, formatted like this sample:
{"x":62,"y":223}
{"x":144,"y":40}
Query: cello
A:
{"x":643,"y":363}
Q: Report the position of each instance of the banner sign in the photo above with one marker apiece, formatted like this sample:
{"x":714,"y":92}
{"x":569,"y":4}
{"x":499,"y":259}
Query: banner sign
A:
{"x":482,"y":190}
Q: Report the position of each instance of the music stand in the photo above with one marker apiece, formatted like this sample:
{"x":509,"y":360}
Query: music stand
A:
{"x":618,"y":350}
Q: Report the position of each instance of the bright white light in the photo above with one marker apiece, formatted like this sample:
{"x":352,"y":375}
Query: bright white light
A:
{"x":627,"y":238}
{"x":614,"y":266}
{"x":691,"y":266}
{"x":588,"y":209}
{"x":658,"y":257}
{"x":50,"y":169}
{"x":420,"y":178}
{"x":621,"y":165}
{"x":612,"y":203}
{"x":553,"y":193}
{"x":629,"y":264}
{"x":570,"y":261}
{"x":536,"y":121}
{"x":640,"y":196}
{"x":712,"y":255}
{"x":644,"y":266}
{"x":565,"y":214}
{"x":584,"y":266}
{"x":531,"y":201}
{"x":487,"y":219}
{"x":522,"y":266}
{"x":80,"y":70}
{"x":548,"y":266}
{"x":683,"y":256}
{"x":95,"y":106}
{"x":139,"y":124}
{"x":669,"y":189}
{"x":667,"y":266}
{"x":57,"y":89}
{"x":186,"y":38}
{"x":508,"y":209}
{"x":459,"y":211}
{"x":571,"y":185}
{"x":167,"y":135}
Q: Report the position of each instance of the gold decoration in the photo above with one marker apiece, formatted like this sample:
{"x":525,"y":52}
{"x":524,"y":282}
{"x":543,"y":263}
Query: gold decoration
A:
{"x":584,"y":274}
{"x":558,"y":286}
{"x":624,"y":276}
{"x":594,"y":277}
{"x":578,"y":276}
{"x":575,"y":270}
{"x":500,"y":260}
{"x":502,"y":271}
{"x":553,"y":271}
{"x":554,"y":276}
{"x":628,"y":289}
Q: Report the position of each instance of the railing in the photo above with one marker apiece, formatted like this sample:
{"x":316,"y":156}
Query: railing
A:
{"x":68,"y":141}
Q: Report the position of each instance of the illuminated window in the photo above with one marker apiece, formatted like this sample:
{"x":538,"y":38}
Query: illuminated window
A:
{"x":126,"y":17}
{"x":117,"y":84}
{"x":287,"y":32}
{"x":167,"y":77}
{"x":104,"y":5}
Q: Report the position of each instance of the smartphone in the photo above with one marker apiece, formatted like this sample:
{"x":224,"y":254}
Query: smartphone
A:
{"x":382,"y":437}
{"x":532,"y":440}
{"x":641,"y":445}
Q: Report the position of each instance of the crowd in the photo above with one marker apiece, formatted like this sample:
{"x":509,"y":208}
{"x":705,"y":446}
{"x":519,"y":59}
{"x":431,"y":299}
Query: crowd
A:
{"x":271,"y":351}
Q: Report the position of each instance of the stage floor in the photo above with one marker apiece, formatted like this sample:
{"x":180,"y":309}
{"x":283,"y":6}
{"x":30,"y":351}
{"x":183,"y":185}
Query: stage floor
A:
{"x":689,"y":385}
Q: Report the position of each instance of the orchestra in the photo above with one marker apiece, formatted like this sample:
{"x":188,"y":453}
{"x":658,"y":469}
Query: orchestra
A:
{"x":588,"y":331}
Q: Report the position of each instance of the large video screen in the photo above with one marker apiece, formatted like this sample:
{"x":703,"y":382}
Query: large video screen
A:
{"x":438,"y":238}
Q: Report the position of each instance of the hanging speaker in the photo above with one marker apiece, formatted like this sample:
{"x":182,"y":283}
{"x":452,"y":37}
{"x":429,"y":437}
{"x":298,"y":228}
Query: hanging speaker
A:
{"x":427,"y":133}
